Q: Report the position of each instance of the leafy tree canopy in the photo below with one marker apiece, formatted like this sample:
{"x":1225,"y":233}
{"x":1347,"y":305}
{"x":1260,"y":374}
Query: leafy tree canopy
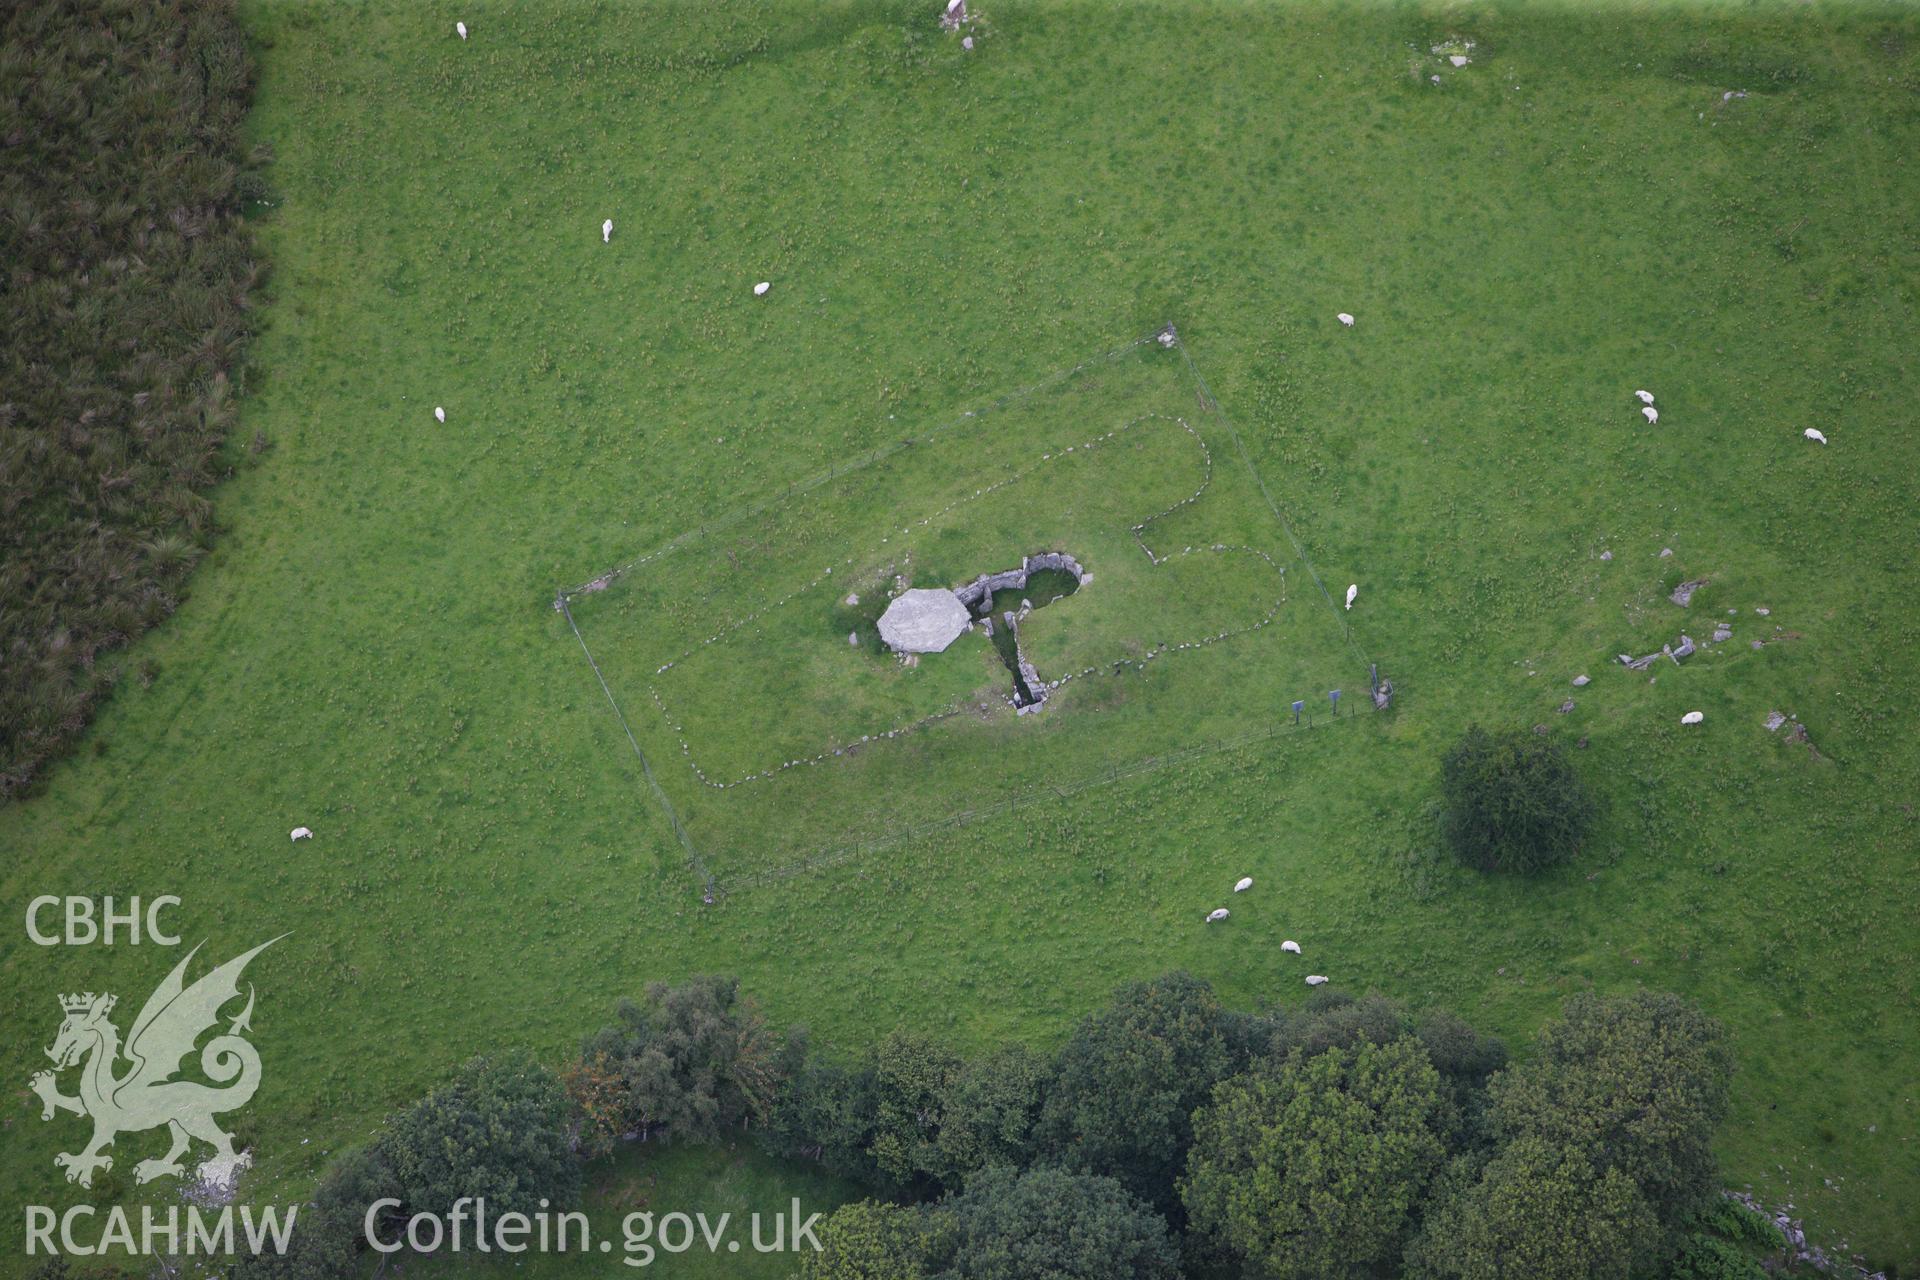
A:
{"x":1513,"y":801}
{"x":1317,"y":1169}
{"x":1128,"y":1080}
{"x":1058,"y":1225}
{"x":1537,"y":1211}
{"x":873,"y":1240}
{"x":686,"y":1062}
{"x":497,"y":1130}
{"x":1638,"y":1082}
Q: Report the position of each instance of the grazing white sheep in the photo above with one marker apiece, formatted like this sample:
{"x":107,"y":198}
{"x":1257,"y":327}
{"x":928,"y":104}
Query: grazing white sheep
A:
{"x":1290,"y":946}
{"x":1217,"y":915}
{"x":1646,"y":397}
{"x":606,"y":231}
{"x":461,"y":27}
{"x":1693,"y":717}
{"x":301,"y":833}
{"x":1650,"y":413}
{"x":1353,"y":593}
{"x":1813,"y":434}
{"x":760,"y":290}
{"x":1245,"y":883}
{"x":1315,"y":979}
{"x":439,"y":414}
{"x":1345,"y":320}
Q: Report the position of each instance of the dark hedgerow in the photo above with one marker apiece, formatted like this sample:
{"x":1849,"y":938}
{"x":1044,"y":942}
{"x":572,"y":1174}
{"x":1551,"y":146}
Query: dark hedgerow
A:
{"x":127,"y":274}
{"x":1513,"y":801}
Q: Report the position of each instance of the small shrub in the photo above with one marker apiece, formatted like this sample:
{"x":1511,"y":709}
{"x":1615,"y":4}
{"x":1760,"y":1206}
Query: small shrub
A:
{"x":1704,"y":1257}
{"x":1513,"y":801}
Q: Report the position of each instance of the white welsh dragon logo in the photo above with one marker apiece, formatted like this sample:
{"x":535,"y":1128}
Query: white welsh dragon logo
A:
{"x":146,"y":1096}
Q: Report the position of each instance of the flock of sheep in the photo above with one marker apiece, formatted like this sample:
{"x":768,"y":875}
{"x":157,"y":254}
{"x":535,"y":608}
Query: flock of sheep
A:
{"x":1652,"y":415}
{"x":1290,"y":946}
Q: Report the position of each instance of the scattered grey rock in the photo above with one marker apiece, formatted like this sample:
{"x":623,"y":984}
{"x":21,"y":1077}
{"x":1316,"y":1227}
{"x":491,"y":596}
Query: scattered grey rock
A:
{"x":1540,"y":728}
{"x":1606,"y":555}
{"x":1566,"y":706}
{"x":853,"y":638}
{"x":1774,"y":721}
{"x":1665,"y":552}
{"x":1722,"y":633}
{"x":1684,"y":651}
{"x":1581,"y":682}
{"x":1683,"y":594}
{"x":1763,"y":611}
{"x":853,"y":598}
{"x":1758,"y":645}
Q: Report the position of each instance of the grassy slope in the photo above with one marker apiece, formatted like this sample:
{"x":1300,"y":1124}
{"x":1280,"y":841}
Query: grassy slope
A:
{"x":370,"y":651}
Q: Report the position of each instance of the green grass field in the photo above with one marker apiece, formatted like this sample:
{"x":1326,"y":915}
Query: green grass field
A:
{"x":1581,"y":211}
{"x":745,"y":657}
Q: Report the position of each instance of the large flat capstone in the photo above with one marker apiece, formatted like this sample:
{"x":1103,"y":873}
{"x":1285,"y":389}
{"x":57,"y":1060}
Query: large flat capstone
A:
{"x":924,"y":620}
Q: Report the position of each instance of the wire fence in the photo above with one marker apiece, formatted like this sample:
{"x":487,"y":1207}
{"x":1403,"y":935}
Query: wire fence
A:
{"x":694,"y":860}
{"x":792,"y":487}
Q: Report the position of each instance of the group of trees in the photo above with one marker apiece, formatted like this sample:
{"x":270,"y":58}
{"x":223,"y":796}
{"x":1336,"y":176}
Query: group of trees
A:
{"x":501,"y":1129}
{"x":128,"y":277}
{"x":1168,"y":1136}
{"x":1350,"y":1138}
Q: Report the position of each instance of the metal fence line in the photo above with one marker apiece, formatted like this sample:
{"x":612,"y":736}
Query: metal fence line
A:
{"x":686,"y":841}
{"x":838,"y":468}
{"x":1259,"y":481}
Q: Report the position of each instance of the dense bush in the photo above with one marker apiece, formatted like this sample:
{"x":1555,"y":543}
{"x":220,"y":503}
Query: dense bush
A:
{"x":1640,"y":1081}
{"x":685,"y":1062}
{"x":991,"y":1108}
{"x":873,"y":1240}
{"x":1536,"y":1209}
{"x":497,"y":1130}
{"x":1513,"y":801}
{"x":1705,"y":1257}
{"x":1317,"y":1168}
{"x":1005,"y":1225}
{"x":1064,"y":1226}
{"x":128,"y":280}
{"x":1129,"y":1079}
{"x":1602,"y":1149}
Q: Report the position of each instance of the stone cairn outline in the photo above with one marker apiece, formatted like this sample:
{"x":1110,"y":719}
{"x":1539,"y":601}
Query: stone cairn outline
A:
{"x":1114,"y":668}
